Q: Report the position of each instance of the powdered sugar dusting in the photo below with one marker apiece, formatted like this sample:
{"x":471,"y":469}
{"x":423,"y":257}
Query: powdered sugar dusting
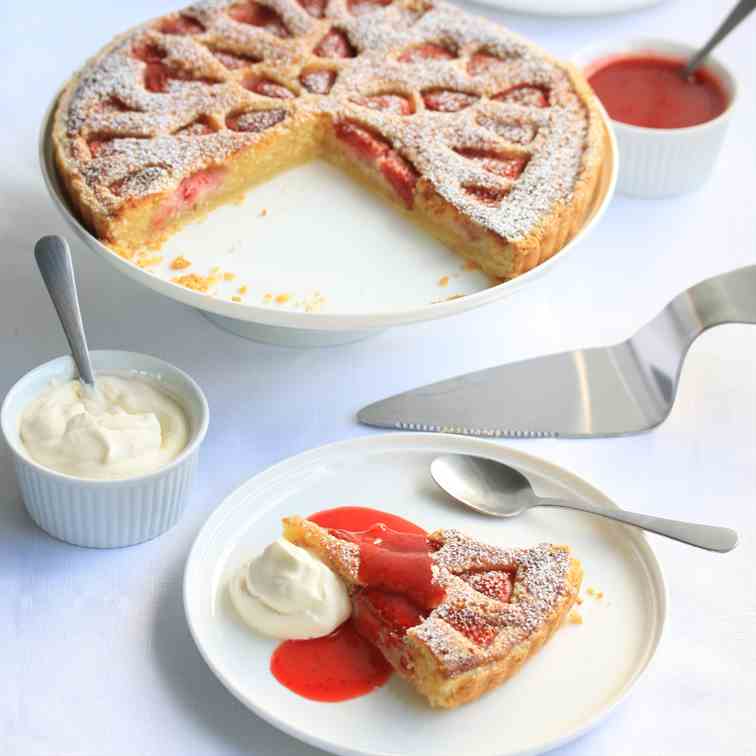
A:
{"x":204,"y":69}
{"x":471,"y":627}
{"x":346,"y":554}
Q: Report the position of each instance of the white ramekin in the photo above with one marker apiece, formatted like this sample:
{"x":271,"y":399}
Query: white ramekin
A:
{"x":106,"y":513}
{"x":663,"y":162}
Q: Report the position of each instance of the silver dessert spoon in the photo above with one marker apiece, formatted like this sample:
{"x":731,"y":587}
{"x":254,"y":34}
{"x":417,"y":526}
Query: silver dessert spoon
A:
{"x":56,"y":266}
{"x":737,"y":16}
{"x":499,"y":490}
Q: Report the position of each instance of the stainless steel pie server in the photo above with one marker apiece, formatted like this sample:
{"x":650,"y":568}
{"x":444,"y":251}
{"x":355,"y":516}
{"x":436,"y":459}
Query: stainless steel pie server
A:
{"x":607,"y":391}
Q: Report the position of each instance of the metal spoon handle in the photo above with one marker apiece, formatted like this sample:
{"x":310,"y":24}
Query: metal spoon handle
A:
{"x":704,"y":536}
{"x":54,"y":261}
{"x":737,"y":14}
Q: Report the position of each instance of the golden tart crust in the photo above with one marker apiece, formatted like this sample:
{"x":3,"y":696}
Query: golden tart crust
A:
{"x":489,"y":143}
{"x":472,"y":642}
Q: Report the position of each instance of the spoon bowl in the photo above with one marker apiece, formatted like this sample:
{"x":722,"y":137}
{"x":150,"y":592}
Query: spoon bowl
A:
{"x":499,"y":490}
{"x":491,"y":488}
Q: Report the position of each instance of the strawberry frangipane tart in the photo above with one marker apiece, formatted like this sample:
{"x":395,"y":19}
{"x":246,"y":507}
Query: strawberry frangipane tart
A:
{"x":491,"y":145}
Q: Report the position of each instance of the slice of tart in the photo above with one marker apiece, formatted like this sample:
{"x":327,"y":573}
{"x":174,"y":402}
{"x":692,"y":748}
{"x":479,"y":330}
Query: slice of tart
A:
{"x":454,"y":617}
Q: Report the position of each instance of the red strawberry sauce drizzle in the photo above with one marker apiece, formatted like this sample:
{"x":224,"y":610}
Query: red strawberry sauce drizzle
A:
{"x":394,"y":561}
{"x":360,"y":519}
{"x":380,"y":615}
{"x":394,"y":553}
{"x":338,"y":667}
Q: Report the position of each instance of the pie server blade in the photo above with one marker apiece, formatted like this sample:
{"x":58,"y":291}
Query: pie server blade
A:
{"x":607,"y":391}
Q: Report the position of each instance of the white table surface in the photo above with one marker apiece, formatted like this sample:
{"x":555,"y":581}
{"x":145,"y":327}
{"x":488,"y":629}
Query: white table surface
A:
{"x":95,"y":656}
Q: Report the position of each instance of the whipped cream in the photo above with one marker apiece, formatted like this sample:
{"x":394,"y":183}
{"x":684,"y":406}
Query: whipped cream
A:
{"x":287,"y":593}
{"x":126,"y":427}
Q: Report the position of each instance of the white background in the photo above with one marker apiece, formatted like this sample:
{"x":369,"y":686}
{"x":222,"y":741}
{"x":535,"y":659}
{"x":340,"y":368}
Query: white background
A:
{"x":95,"y":657}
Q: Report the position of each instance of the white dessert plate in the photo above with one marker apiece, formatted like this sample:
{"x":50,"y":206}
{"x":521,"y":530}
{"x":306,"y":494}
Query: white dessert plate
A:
{"x":323,"y":261}
{"x":566,"y":689}
{"x":570,"y":7}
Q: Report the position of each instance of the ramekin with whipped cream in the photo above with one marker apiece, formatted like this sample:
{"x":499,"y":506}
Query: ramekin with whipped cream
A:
{"x":112,"y":469}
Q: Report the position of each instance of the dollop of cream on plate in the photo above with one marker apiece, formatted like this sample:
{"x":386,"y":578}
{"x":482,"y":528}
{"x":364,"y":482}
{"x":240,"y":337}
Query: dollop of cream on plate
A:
{"x":126,"y":427}
{"x":287,"y":593}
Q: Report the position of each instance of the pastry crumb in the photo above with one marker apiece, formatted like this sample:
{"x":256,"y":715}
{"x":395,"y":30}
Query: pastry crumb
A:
{"x":236,"y":298}
{"x":443,"y":281}
{"x":229,"y":276}
{"x":575,"y":618}
{"x":215,"y":269}
{"x":314,"y":303}
{"x":282,"y":298}
{"x":268,"y":297}
{"x":242,"y":290}
{"x":263,"y":212}
{"x":591,"y":591}
{"x":180,"y":263}
{"x":196,"y":282}
{"x":149,"y":262}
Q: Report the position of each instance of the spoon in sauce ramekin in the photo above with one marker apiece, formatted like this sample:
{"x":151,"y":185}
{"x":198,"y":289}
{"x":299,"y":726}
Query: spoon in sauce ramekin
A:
{"x":56,"y":266}
{"x":737,"y":15}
